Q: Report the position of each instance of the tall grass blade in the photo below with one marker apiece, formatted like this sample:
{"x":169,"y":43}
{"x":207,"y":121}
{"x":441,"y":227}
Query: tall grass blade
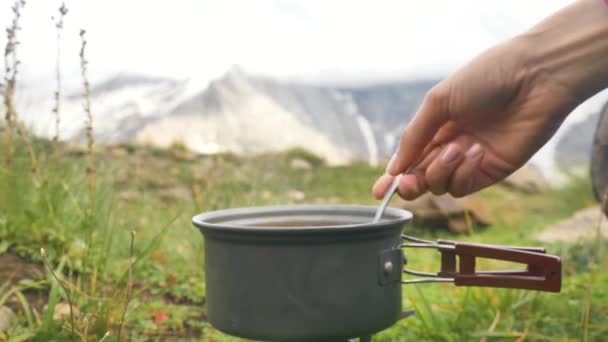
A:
{"x":65,"y":290}
{"x":129,"y":287}
{"x":26,"y":309}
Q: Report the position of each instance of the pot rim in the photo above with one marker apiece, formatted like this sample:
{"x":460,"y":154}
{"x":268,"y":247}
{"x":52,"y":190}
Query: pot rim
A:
{"x":223,"y":220}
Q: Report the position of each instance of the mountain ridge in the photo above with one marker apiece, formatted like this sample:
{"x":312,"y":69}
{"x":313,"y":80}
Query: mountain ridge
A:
{"x":249,"y":114}
{"x":243,"y":113}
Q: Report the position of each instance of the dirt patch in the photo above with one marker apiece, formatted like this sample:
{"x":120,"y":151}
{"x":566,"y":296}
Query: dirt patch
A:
{"x":14,"y":268}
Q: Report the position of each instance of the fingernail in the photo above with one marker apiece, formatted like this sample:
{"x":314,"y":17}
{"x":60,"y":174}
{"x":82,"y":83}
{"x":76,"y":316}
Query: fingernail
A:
{"x":450,"y":154}
{"x":389,"y":166}
{"x":474,"y":151}
{"x":416,"y":189}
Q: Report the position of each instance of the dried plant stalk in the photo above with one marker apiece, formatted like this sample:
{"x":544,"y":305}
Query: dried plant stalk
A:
{"x":31,"y":152}
{"x":89,"y":120}
{"x":11,"y":65}
{"x":63,"y":10}
{"x":105,"y":336}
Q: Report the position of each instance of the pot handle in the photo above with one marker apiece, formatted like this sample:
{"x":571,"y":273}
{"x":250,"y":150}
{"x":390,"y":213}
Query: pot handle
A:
{"x":543,"y":271}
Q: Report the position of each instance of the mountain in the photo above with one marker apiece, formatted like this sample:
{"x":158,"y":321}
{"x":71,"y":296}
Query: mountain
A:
{"x":574,"y":148}
{"x":248,"y":114}
{"x":120,"y":106}
{"x":388,"y":107}
{"x":243,"y":114}
{"x":574,"y":141}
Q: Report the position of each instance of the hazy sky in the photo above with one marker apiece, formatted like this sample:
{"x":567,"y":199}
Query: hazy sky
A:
{"x":313,"y":40}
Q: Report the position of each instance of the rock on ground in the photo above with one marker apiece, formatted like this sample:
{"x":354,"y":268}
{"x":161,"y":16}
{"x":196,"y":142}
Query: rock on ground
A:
{"x":62,"y":311}
{"x":457,"y":215}
{"x":6,"y":314}
{"x":582,"y":226}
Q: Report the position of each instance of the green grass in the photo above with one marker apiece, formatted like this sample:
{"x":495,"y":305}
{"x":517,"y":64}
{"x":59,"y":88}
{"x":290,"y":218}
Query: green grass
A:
{"x":155,"y":193}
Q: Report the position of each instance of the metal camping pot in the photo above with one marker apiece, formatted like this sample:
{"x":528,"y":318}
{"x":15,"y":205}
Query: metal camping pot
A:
{"x":325,"y":272}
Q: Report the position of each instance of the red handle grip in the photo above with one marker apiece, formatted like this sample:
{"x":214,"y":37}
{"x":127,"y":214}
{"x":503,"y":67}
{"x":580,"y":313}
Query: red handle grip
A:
{"x":543,"y":271}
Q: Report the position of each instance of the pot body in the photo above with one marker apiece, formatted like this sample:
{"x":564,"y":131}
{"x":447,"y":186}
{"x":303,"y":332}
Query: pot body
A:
{"x":334,"y":276}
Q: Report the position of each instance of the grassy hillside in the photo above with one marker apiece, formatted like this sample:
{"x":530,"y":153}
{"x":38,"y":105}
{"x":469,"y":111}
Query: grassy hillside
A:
{"x":150,"y":195}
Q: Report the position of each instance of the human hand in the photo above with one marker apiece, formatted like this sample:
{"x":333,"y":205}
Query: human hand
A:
{"x":478,"y":126}
{"x":486,"y":120}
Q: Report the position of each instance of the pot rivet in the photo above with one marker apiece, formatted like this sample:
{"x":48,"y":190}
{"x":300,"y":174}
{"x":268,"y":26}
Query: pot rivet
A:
{"x":388,"y":267}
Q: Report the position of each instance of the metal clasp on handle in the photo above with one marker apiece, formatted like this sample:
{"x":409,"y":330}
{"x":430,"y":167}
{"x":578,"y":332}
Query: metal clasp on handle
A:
{"x":427,"y":277}
{"x":543,"y":271}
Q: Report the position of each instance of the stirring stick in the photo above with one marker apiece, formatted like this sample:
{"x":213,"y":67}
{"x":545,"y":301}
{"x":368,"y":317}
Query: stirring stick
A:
{"x":391,"y":190}
{"x":387,"y":197}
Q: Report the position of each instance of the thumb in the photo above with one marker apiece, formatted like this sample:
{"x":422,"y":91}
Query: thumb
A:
{"x":421,"y":130}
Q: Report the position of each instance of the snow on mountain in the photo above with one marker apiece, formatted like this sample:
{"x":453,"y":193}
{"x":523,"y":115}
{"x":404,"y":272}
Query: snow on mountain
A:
{"x":248,"y":114}
{"x":240,"y":113}
{"x":233,"y":115}
{"x":120,"y":106}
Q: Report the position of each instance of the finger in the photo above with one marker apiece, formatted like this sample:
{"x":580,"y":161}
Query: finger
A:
{"x":468,"y":178}
{"x":446,"y":133}
{"x":382,"y":185}
{"x":412,"y":185}
{"x":428,"y":159}
{"x":410,"y":189}
{"x":423,"y":156}
{"x":409,"y":186}
{"x":439,"y":172}
{"x":421,"y":130}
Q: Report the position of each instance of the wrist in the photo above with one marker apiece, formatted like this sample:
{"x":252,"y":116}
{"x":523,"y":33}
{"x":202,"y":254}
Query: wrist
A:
{"x":570,"y":49}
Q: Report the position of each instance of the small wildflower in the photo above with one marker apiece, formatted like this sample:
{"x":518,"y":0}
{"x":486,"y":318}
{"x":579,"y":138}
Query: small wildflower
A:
{"x":159,"y":318}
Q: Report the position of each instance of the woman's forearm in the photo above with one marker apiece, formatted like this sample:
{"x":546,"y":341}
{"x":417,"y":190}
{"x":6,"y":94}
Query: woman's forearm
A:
{"x":570,"y":48}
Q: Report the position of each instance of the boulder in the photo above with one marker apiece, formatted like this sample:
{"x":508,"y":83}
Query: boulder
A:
{"x":582,"y":226}
{"x":456,"y":214}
